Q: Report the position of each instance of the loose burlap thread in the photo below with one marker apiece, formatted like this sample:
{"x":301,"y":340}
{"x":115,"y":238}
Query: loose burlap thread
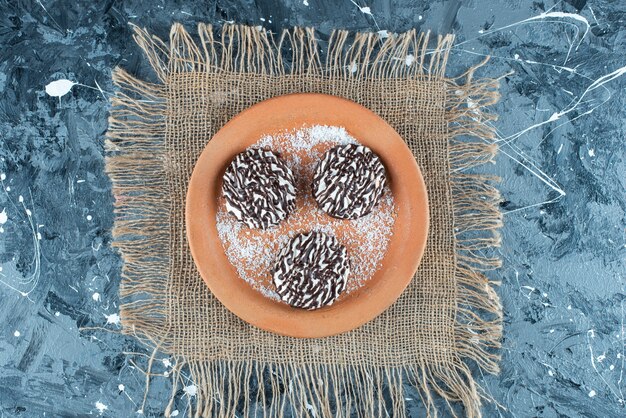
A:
{"x":449,"y":314}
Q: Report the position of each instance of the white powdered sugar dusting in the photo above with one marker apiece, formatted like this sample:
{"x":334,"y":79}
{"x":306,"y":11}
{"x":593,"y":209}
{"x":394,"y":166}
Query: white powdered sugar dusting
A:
{"x":253,"y":252}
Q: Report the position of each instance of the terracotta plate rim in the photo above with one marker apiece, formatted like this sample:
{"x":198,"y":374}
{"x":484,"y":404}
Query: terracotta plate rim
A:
{"x":407,"y":184}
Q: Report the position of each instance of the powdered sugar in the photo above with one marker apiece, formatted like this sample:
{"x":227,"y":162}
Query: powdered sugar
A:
{"x":253,"y":252}
{"x":307,"y":139}
{"x":304,"y":148}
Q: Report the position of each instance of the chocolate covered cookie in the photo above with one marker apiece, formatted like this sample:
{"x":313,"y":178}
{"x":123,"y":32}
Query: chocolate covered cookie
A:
{"x":349,"y":181}
{"x":259,"y":188}
{"x":311,"y":271}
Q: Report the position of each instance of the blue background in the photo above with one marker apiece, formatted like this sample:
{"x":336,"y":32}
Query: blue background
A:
{"x":563,"y":186}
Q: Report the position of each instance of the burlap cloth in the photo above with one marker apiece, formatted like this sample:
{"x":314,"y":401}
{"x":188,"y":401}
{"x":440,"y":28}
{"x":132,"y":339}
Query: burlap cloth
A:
{"x":448,"y":315}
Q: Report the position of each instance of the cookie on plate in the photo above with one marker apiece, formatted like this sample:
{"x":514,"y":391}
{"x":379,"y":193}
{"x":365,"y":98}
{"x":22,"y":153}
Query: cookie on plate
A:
{"x":311,"y":271}
{"x":259,"y":188}
{"x":349,"y":181}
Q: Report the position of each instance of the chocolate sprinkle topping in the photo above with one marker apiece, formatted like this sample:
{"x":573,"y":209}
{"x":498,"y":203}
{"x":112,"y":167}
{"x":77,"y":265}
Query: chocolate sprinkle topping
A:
{"x":311,"y":271}
{"x":259,"y":188}
{"x":349,"y":181}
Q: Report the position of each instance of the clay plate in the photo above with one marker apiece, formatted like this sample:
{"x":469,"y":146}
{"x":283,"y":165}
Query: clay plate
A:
{"x":405,"y":248}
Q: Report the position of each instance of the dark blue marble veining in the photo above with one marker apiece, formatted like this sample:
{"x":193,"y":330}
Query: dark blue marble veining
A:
{"x":561,"y":130}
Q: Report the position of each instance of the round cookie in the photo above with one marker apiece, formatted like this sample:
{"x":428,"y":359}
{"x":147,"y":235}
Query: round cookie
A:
{"x":349,"y":181}
{"x":259,"y":188}
{"x":311,"y":271}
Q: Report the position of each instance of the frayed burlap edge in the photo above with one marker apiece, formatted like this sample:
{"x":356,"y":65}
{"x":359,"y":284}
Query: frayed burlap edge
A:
{"x":137,"y":167}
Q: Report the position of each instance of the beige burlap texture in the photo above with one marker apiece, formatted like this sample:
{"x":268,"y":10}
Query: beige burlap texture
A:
{"x":448,"y":315}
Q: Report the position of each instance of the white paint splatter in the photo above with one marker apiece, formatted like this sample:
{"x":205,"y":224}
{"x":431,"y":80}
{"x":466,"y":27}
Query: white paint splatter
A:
{"x":20,"y":199}
{"x":550,"y":373}
{"x":364,"y":9}
{"x":592,"y":393}
{"x":16,"y":333}
{"x":600,"y":358}
{"x":59,"y":88}
{"x":101,"y":407}
{"x":166,"y":362}
{"x":409,"y":60}
{"x":545,"y":15}
{"x":591,"y":152}
{"x":569,"y":307}
{"x":574,"y":16}
{"x":57,"y":313}
{"x":596,"y":84}
{"x":611,"y":367}
{"x":3,"y":176}
{"x":557,"y":115}
{"x":190,"y":390}
{"x":420,"y":17}
{"x":33,"y":279}
{"x":96,"y":296}
{"x":383,"y":34}
{"x":3,"y":216}
{"x":516,"y":56}
{"x":89,"y":217}
{"x":114,"y":319}
{"x":121,"y":387}
{"x":39,"y":236}
{"x":175,"y":412}
{"x":306,"y":3}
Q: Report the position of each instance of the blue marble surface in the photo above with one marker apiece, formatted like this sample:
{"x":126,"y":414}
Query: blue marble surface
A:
{"x":561,"y":130}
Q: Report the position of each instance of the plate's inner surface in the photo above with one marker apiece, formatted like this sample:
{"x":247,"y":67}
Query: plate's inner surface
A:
{"x":253,"y":252}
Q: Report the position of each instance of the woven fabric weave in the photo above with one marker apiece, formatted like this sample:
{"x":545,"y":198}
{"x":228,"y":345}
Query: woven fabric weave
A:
{"x":449,"y":313}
